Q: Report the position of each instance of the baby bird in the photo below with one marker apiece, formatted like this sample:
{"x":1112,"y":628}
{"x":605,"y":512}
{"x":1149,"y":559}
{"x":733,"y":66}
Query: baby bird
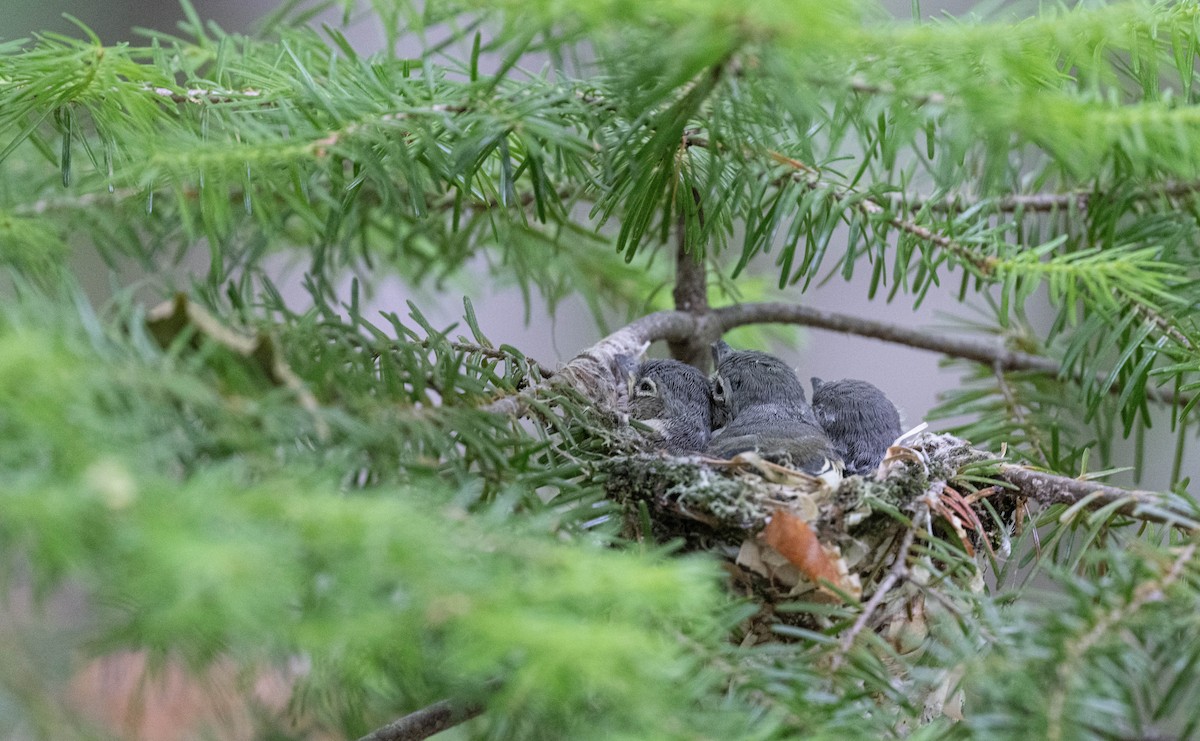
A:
{"x":759,"y":405}
{"x":672,"y":398}
{"x":859,"y":419}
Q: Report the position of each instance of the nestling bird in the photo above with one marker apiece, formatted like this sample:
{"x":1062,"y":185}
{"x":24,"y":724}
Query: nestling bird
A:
{"x":672,"y":398}
{"x":759,"y":405}
{"x":859,"y":419}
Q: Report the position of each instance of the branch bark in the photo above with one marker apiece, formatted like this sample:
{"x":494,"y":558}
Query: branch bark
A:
{"x":1048,"y":489}
{"x":424,"y":722}
{"x":992,"y":354}
{"x":691,"y":295}
{"x":989,"y":353}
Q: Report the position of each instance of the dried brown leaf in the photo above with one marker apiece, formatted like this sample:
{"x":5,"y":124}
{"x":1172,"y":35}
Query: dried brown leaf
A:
{"x":792,"y":537}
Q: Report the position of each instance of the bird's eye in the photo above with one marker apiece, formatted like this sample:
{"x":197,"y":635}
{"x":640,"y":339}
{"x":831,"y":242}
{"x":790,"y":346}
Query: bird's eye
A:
{"x":647,"y":387}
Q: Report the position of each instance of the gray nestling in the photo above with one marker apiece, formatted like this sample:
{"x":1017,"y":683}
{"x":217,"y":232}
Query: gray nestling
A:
{"x":759,"y":405}
{"x":673,"y":399}
{"x":859,"y":419}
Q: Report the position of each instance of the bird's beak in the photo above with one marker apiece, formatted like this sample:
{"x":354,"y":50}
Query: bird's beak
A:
{"x":720,"y":351}
{"x":627,"y":365}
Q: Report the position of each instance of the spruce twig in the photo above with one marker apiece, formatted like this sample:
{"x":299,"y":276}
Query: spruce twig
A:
{"x":1081,"y":200}
{"x":426,"y":722}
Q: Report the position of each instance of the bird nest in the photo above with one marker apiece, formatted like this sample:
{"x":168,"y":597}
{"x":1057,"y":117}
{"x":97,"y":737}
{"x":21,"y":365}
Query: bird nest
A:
{"x":787,"y":537}
{"x":808,"y":549}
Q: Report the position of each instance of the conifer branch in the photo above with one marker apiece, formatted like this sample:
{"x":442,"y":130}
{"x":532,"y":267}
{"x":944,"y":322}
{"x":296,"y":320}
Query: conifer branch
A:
{"x":1163,"y":324}
{"x":690,"y":292}
{"x":1014,"y":409}
{"x":426,"y":722}
{"x":984,"y":265}
{"x":810,"y":177}
{"x":487,"y":352}
{"x":989,"y":353}
{"x":1081,"y":200}
{"x":372,"y":348}
{"x":1146,"y":592}
{"x":1049,"y":489}
{"x":237,"y":195}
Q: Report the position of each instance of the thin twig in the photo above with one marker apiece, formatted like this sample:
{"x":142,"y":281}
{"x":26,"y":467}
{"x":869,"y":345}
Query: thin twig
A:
{"x":203,"y":96}
{"x":1163,"y":324}
{"x":896,"y":573}
{"x":81,"y":201}
{"x":424,"y":722}
{"x":860,"y":85}
{"x":197,"y":96}
{"x":983,"y":264}
{"x":1080,"y":200}
{"x":1010,"y":400}
{"x":237,"y":196}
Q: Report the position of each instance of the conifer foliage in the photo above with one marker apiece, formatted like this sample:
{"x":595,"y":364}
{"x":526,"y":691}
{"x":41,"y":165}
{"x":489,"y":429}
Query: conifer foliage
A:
{"x":418,"y":524}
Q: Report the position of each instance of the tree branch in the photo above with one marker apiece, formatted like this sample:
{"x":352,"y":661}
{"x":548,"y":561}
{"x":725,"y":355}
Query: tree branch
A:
{"x":424,"y":722}
{"x":690,"y":294}
{"x":860,"y":85}
{"x":983,"y":264}
{"x":593,"y":370}
{"x":1163,"y":324}
{"x":989,"y":353}
{"x":1049,"y":489}
{"x":237,"y":196}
